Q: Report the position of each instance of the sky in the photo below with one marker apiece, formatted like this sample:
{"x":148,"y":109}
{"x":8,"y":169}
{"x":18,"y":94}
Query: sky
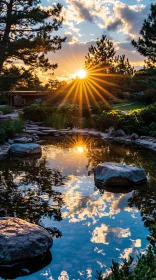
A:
{"x":87,"y":20}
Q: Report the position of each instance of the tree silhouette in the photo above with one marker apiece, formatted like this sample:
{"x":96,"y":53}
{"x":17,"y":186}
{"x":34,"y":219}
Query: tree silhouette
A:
{"x":25,"y":32}
{"x":15,"y":78}
{"x":122,"y":66}
{"x":27,"y":188}
{"x":101,"y":58}
{"x":146,"y":44}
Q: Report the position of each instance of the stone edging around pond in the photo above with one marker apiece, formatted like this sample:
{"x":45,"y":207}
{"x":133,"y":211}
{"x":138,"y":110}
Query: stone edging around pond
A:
{"x":143,"y":141}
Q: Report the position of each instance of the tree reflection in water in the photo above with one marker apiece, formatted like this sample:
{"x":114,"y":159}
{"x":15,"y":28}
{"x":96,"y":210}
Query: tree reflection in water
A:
{"x":27,"y":191}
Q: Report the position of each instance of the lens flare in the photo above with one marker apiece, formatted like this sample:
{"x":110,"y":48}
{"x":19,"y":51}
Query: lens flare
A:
{"x":81,"y":74}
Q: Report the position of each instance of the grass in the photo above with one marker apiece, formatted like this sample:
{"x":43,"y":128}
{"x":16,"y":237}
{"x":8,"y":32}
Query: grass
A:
{"x":129,"y":106}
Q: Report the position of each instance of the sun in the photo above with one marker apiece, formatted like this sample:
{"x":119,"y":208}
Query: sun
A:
{"x":81,"y":74}
{"x":80,"y":149}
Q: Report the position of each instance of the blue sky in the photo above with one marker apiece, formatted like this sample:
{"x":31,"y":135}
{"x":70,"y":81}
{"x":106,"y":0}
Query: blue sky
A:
{"x":87,"y":20}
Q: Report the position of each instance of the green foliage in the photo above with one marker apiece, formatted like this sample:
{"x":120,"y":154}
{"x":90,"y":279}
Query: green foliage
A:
{"x":6,"y":109}
{"x":146,"y":44}
{"x":36,"y":112}
{"x":29,"y":45}
{"x":150,"y":95}
{"x":108,"y":119}
{"x":10,"y":128}
{"x":62,"y":116}
{"x":57,"y":121}
{"x":141,"y":121}
{"x":152,"y":129}
{"x":19,"y":78}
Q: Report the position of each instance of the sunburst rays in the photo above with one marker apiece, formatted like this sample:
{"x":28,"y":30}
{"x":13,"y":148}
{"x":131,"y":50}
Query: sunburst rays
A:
{"x":89,"y":87}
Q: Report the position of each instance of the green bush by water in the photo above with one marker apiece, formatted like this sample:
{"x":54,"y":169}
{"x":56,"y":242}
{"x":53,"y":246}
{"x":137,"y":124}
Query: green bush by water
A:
{"x":10,"y":128}
{"x":6,"y":109}
{"x":141,"y":121}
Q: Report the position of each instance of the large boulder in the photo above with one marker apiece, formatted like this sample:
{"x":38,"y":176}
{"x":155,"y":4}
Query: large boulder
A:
{"x":25,"y":150}
{"x":21,"y":241}
{"x":110,"y":173}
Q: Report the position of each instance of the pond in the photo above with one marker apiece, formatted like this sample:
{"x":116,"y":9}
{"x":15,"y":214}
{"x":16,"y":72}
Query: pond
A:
{"x":90,"y":226}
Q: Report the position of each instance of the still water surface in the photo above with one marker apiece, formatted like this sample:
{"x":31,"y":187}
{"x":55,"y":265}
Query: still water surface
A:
{"x":90,"y":226}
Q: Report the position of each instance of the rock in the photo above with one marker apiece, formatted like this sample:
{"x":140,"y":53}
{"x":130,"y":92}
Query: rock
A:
{"x":1,"y":113}
{"x":134,"y":136}
{"x":23,"y":140}
{"x":120,"y":133}
{"x":111,"y":131}
{"x":24,"y":150}
{"x":36,"y":138}
{"x":21,"y":241}
{"x":30,"y":131}
{"x":57,"y":133}
{"x":10,"y":141}
{"x":110,"y":173}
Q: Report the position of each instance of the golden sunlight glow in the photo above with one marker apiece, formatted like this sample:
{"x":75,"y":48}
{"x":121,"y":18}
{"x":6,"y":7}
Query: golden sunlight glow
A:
{"x":80,"y":149}
{"x":81,"y":74}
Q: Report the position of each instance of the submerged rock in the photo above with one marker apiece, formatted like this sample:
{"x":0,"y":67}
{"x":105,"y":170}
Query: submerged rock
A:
{"x":24,"y":150}
{"x":117,"y":174}
{"x":21,"y":241}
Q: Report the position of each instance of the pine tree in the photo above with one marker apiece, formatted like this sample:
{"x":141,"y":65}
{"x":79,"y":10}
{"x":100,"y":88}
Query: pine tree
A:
{"x":146,"y":44}
{"x":19,"y":78}
{"x":101,"y":56}
{"x":122,"y":66}
{"x":25,"y":32}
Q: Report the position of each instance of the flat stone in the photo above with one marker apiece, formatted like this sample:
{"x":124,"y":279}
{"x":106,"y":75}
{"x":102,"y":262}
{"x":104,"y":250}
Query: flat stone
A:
{"x":21,"y":241}
{"x":23,"y":140}
{"x":110,"y":173}
{"x":24,"y":150}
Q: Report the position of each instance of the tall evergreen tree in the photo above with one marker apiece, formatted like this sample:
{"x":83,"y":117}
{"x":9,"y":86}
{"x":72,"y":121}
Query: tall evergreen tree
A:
{"x":102,"y":59}
{"x":146,"y":44}
{"x":25,"y":32}
{"x":100,"y":56}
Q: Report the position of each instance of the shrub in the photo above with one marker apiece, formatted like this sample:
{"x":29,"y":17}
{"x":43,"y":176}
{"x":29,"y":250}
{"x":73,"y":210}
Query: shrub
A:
{"x":150,"y":95}
{"x":57,"y":121}
{"x":152,"y":129}
{"x":6,"y":109}
{"x":10,"y":128}
{"x":108,"y":119}
{"x":139,"y":121}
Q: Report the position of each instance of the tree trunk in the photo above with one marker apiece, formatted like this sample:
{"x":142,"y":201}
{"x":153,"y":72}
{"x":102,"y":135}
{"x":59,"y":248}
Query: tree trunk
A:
{"x":5,"y":40}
